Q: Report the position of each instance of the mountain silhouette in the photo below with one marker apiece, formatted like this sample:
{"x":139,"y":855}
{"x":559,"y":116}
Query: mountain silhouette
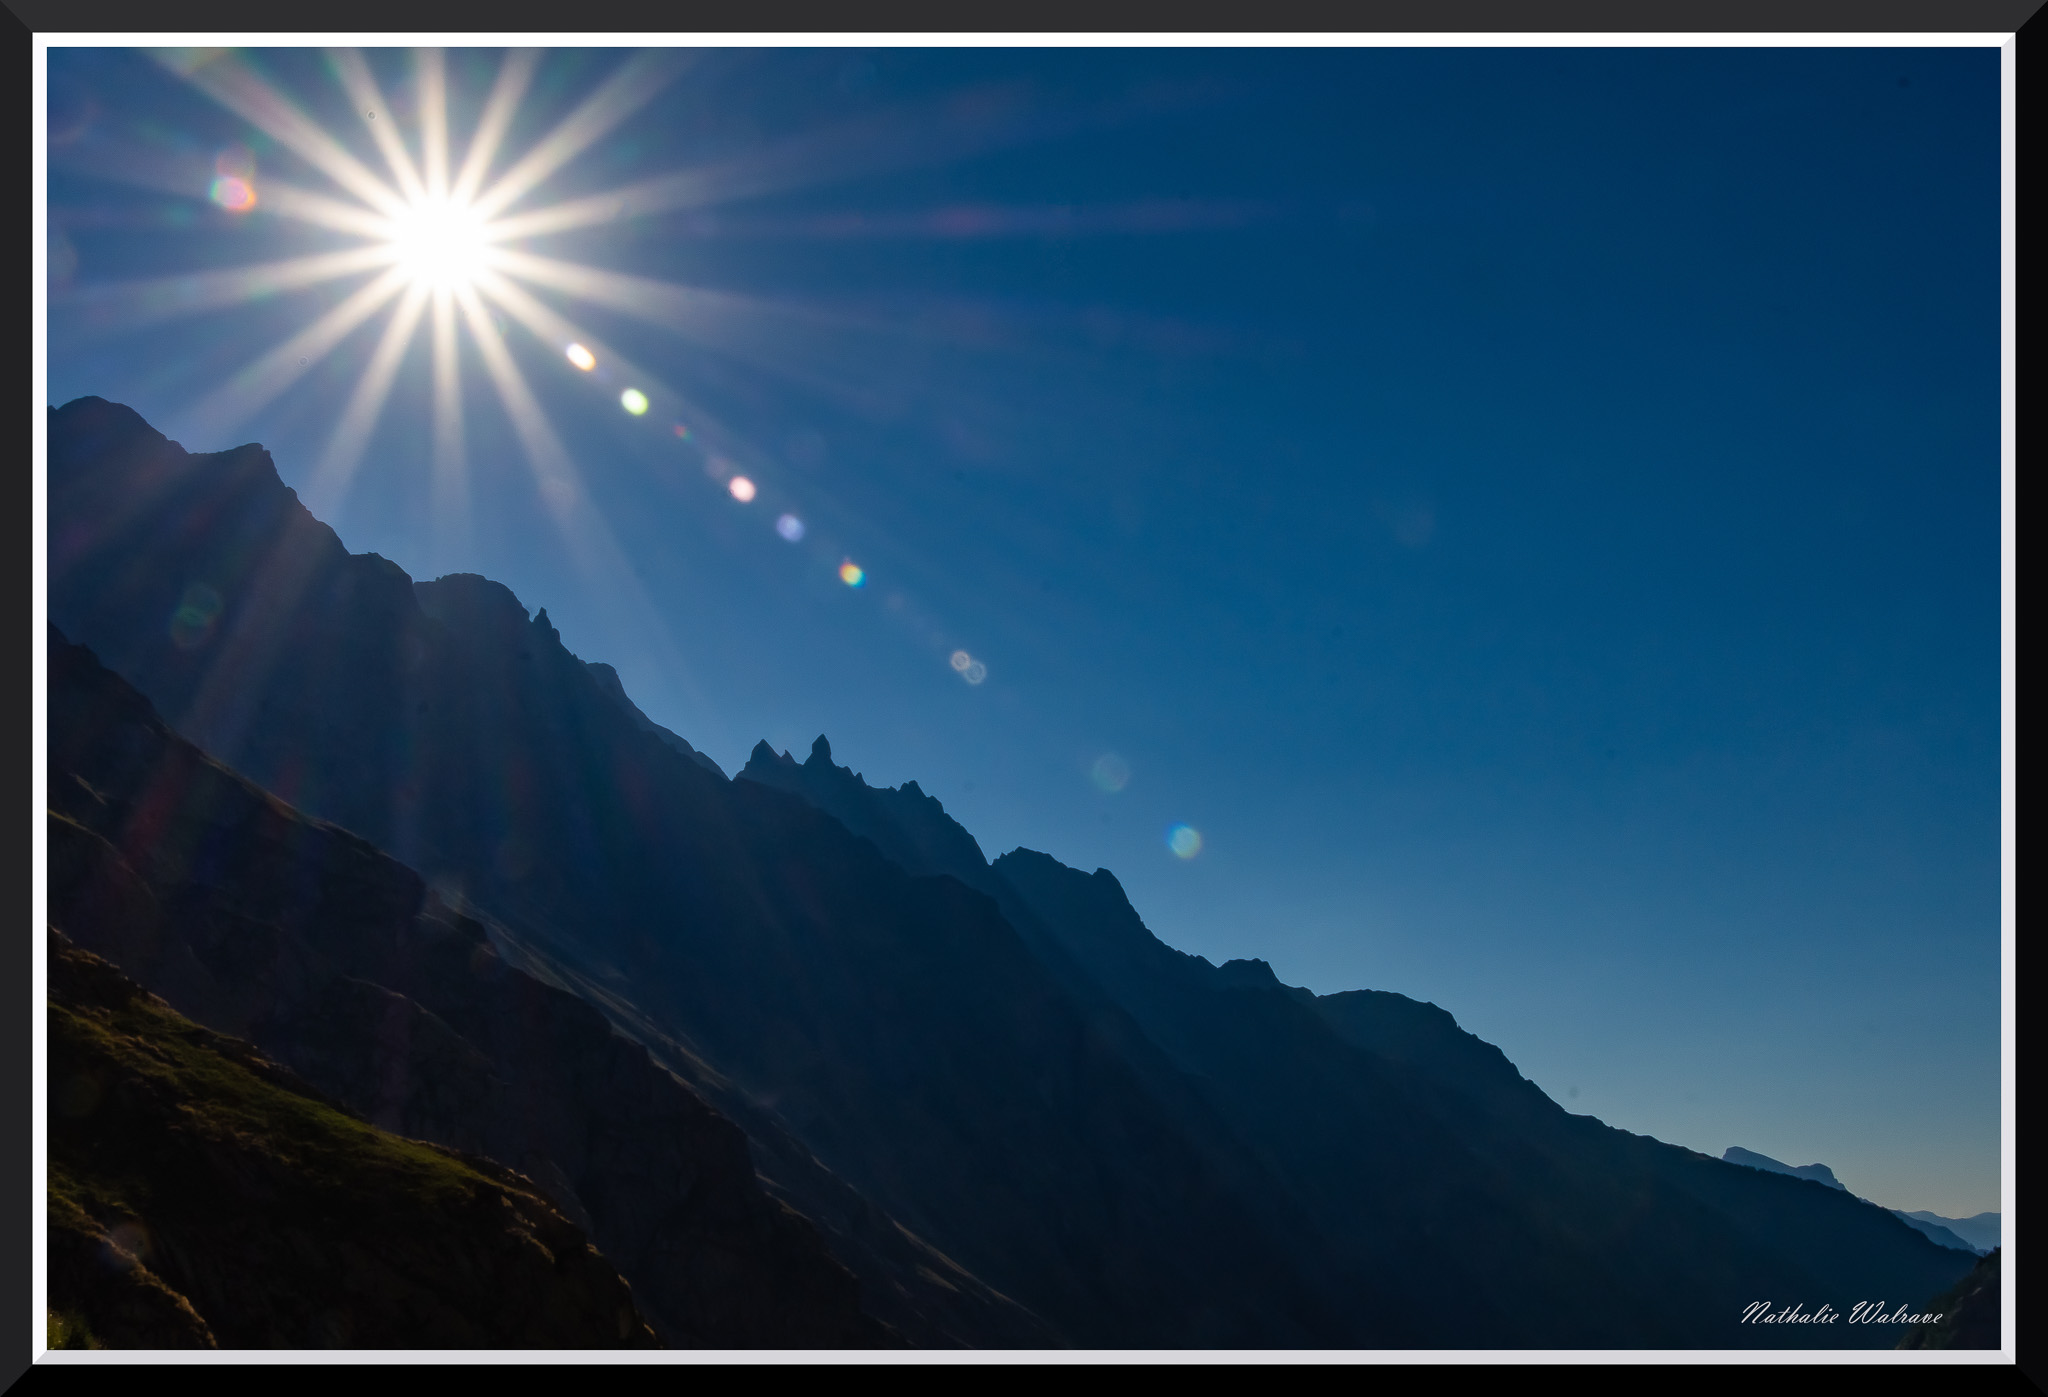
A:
{"x":1940,"y":1230}
{"x":1257,"y":1047}
{"x":1010,"y":1110}
{"x":1981,"y":1231}
{"x":1819,"y":1173}
{"x":338,"y":962}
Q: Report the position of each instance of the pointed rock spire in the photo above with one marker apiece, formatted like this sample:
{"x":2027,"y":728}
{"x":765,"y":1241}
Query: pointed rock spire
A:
{"x":821,"y":752}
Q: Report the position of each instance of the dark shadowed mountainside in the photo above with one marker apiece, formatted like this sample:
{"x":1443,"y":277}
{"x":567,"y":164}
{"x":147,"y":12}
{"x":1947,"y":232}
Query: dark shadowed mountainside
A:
{"x":1096,"y":1139}
{"x":338,"y":962}
{"x":1926,"y":1224}
{"x":1970,"y":1311}
{"x":608,"y":680}
{"x":202,"y":1196}
{"x":1559,"y":1206}
{"x":894,"y":1026}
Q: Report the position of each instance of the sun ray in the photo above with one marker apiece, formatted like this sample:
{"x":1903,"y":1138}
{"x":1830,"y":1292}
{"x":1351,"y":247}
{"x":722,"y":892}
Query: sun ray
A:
{"x":662,"y":302}
{"x":737,"y":327}
{"x":900,"y":139}
{"x":268,"y":375}
{"x":337,"y":465}
{"x":224,"y":78}
{"x":556,"y":331}
{"x":618,"y":97}
{"x":124,"y":305}
{"x":658,"y":195}
{"x":371,"y":109}
{"x":514,"y":74}
{"x":554,"y":472}
{"x":433,"y":79}
{"x":592,"y":546}
{"x":290,"y":201}
{"x":450,"y":485}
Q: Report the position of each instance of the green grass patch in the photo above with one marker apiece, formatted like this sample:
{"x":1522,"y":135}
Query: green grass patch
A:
{"x":225,"y":1100}
{"x":68,"y":1329}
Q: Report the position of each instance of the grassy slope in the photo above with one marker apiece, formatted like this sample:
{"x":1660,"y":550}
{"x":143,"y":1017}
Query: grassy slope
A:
{"x":201,"y":1195}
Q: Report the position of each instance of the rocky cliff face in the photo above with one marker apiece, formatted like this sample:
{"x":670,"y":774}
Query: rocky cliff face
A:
{"x":337,"y":961}
{"x":203,"y":1196}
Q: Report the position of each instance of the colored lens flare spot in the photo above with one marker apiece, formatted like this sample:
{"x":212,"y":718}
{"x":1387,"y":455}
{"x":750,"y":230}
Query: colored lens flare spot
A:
{"x":582,"y":358}
{"x":233,"y":193}
{"x":192,"y":623}
{"x":1110,"y":773}
{"x":682,"y":432}
{"x":633,"y":401}
{"x":852,"y":575}
{"x":790,"y":527}
{"x":741,"y":488}
{"x":967,"y":667}
{"x":1184,"y":840}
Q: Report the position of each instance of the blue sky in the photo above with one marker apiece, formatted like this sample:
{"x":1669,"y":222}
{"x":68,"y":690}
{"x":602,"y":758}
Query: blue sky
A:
{"x":1535,"y":513}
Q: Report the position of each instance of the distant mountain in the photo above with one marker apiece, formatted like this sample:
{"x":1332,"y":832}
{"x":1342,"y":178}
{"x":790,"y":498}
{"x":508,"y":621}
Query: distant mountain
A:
{"x":202,"y":1196}
{"x":1940,"y":1230}
{"x":1015,"y":1114}
{"x":1819,"y":1173}
{"x":1981,"y":1231}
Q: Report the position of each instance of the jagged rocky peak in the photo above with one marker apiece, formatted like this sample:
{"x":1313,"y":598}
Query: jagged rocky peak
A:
{"x":1249,"y":974}
{"x":461,"y":597}
{"x":821,"y":753}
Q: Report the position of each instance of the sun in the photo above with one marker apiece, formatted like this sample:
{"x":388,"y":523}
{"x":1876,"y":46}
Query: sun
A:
{"x":441,"y":244}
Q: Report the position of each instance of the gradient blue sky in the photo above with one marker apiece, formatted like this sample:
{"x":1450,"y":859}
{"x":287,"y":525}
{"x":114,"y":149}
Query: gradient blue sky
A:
{"x":1534,"y":512}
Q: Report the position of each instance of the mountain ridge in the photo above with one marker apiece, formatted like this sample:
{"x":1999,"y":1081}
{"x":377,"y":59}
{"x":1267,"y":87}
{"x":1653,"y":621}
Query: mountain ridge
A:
{"x":1947,"y":1232}
{"x":1002,"y":1058}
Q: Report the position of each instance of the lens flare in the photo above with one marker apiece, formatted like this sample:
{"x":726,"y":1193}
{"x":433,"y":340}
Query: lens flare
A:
{"x":233,"y":193}
{"x":192,"y":623}
{"x":790,"y":527}
{"x":975,"y":672}
{"x":851,"y":575}
{"x":582,"y":358}
{"x":742,"y":488}
{"x":1184,"y":840}
{"x":633,"y":401}
{"x":1110,"y":773}
{"x":961,"y":659}
{"x":682,"y":432}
